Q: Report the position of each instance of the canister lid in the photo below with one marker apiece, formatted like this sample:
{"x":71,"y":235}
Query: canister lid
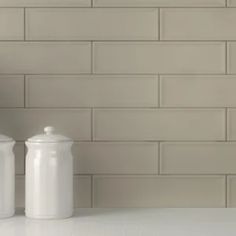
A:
{"x":49,"y":136}
{"x":4,"y":138}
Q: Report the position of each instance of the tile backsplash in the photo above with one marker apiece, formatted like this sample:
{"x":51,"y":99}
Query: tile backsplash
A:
{"x":146,"y":88}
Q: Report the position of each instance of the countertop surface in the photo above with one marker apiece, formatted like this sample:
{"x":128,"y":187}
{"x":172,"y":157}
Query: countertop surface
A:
{"x":123,"y":222}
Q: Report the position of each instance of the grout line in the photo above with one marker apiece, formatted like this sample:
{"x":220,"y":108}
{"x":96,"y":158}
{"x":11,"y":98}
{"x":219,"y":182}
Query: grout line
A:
{"x":24,"y":24}
{"x":119,"y":41}
{"x":92,"y":191}
{"x":226,"y":191}
{"x":122,"y":108}
{"x":159,"y":91}
{"x":226,"y":124}
{"x":116,"y":7}
{"x":159,"y":158}
{"x":226,"y":57}
{"x":24,"y":91}
{"x":92,"y":125}
{"x":159,"y":24}
{"x":92,"y":45}
{"x":226,"y":3}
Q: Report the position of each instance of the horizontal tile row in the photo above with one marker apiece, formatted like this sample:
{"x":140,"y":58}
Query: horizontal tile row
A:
{"x":121,"y":124}
{"x":91,"y":24}
{"x":82,"y":191}
{"x":117,"y":91}
{"x":142,"y":158}
{"x":141,"y":24}
{"x":159,"y":191}
{"x":116,"y":57}
{"x":148,"y":191}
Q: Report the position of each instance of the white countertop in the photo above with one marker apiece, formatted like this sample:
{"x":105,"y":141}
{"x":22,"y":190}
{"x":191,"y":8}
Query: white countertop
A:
{"x":127,"y":222}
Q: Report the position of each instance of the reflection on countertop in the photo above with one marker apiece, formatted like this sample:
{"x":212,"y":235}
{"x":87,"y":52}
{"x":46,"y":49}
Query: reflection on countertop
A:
{"x":127,"y":222}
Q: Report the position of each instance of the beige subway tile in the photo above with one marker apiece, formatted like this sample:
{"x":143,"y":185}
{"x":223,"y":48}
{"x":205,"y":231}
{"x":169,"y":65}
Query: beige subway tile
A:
{"x":19,"y":150}
{"x":151,"y":191}
{"x":92,"y":91}
{"x":11,"y":91}
{"x":115,"y":158}
{"x":231,"y":191}
{"x":82,"y":191}
{"x":198,"y":158}
{"x":159,"y":57}
{"x":159,"y":124}
{"x":11,"y":24}
{"x":231,"y":57}
{"x":45,"y":3}
{"x":198,"y":91}
{"x":198,"y":24}
{"x":23,"y":123}
{"x":231,"y":3}
{"x":45,"y":57}
{"x":159,"y":3}
{"x":20,"y":191}
{"x":231,"y":123}
{"x":91,"y":24}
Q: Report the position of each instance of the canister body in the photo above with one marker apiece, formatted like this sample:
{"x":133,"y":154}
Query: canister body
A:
{"x":49,"y":181}
{"x":7,"y":180}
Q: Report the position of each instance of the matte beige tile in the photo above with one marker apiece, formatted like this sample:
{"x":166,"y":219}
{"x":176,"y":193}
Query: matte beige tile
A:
{"x":23,"y":123}
{"x":159,"y":57}
{"x":20,"y":191}
{"x":11,"y":24}
{"x":231,"y":191}
{"x":11,"y":90}
{"x":19,"y":151}
{"x":198,"y":24}
{"x":115,"y":158}
{"x":45,"y":3}
{"x":159,"y":124}
{"x":231,"y":123}
{"x":231,"y":57}
{"x":159,"y":3}
{"x":91,"y":24}
{"x":82,"y":191}
{"x":92,"y":91}
{"x":151,"y":191}
{"x":198,"y":158}
{"x":45,"y":57}
{"x":198,"y":91}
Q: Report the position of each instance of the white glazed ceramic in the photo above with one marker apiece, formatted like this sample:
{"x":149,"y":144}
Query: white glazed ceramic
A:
{"x":49,"y":176}
{"x":7,"y":177}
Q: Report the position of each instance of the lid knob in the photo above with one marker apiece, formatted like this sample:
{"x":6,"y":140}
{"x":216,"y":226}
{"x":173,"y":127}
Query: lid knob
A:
{"x":49,"y":130}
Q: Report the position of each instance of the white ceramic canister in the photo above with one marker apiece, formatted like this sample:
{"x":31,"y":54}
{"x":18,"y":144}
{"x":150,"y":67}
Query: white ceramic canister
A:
{"x":7,"y":177}
{"x":49,"y":176}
